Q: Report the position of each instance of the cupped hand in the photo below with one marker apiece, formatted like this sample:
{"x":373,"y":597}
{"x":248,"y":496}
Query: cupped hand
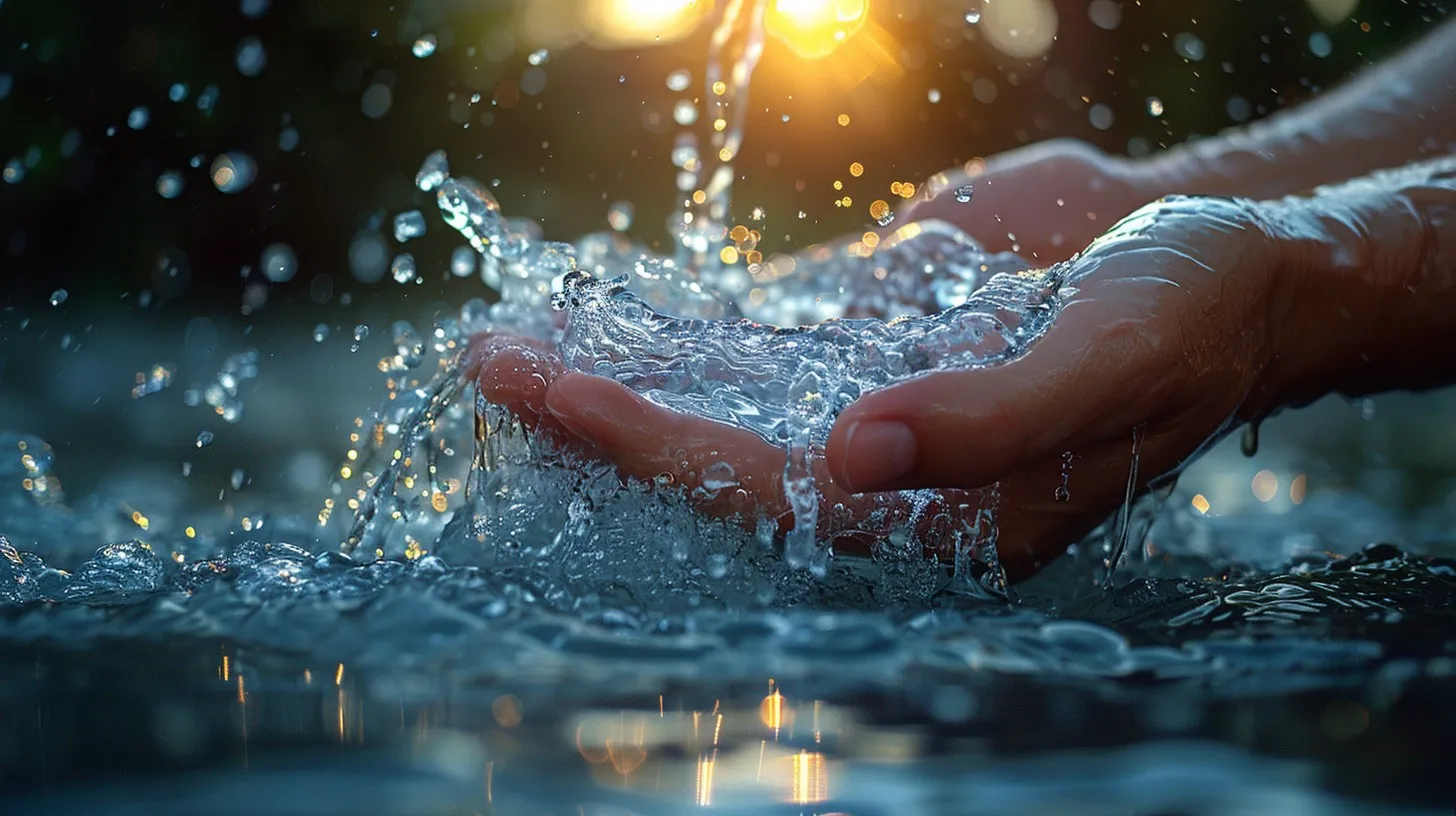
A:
{"x":1167,"y":336}
{"x":1044,"y":201}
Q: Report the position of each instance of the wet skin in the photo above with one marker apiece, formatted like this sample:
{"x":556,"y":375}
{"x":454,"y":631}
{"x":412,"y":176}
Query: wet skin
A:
{"x":1120,"y":357}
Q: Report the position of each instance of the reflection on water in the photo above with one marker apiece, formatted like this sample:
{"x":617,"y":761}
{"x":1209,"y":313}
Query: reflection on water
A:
{"x":238,"y":730}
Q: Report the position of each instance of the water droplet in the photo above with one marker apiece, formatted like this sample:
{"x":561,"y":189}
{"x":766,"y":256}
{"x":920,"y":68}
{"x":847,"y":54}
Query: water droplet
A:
{"x":679,"y":80}
{"x":204,"y":439}
{"x":1100,"y":116}
{"x":178,"y":91}
{"x":368,"y":256}
{"x":462,"y":262}
{"x":138,"y":118}
{"x":320,"y":333}
{"x":1189,"y":47}
{"x":237,"y":479}
{"x":14,"y":171}
{"x":1249,"y":442}
{"x":1155,"y":106}
{"x":964,"y":193}
{"x":684,"y":112}
{"x":538,"y":57}
{"x":207,"y":98}
{"x":254,"y":9}
{"x":433,"y":171}
{"x":232,"y":172}
{"x":1063,"y":493}
{"x":252,"y":58}
{"x":288,"y":139}
{"x":619,"y":216}
{"x":361,"y":332}
{"x":409,"y":225}
{"x":59,"y":296}
{"x":973,"y":16}
{"x":1320,"y":45}
{"x":424,"y":46}
{"x":403,"y":269}
{"x":169,"y":184}
{"x":621,"y":78}
{"x":376,"y":101}
{"x":6,"y":83}
{"x":279,"y":263}
{"x":933,"y":95}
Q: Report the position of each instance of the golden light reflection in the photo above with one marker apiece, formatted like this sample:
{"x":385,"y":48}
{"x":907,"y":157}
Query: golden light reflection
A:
{"x":1265,"y":485}
{"x":703,"y":795}
{"x":1297,"y":487}
{"x":618,"y":23}
{"x":810,"y":781}
{"x":1200,"y":503}
{"x":816,"y":28}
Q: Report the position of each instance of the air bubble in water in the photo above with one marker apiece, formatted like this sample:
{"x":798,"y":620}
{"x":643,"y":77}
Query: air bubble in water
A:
{"x":254,"y":8}
{"x":204,"y":439}
{"x":619,"y":216}
{"x":178,"y":91}
{"x":14,"y":171}
{"x":361,"y":332}
{"x":232,"y":172}
{"x":462,"y":262}
{"x":138,"y":118}
{"x":237,"y":478}
{"x":320,"y":333}
{"x":403,"y":268}
{"x":279,"y":263}
{"x":679,"y":80}
{"x":538,"y":57}
{"x":59,"y":296}
{"x":964,"y":193}
{"x":424,"y":46}
{"x":409,"y":225}
{"x":252,"y":58}
{"x":433,"y":171}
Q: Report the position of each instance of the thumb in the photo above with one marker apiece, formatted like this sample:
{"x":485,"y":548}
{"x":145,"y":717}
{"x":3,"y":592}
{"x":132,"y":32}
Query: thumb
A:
{"x":968,"y":428}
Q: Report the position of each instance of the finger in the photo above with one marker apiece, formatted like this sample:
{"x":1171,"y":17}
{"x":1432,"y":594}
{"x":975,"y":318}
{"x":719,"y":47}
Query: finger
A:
{"x":735,"y":469}
{"x":514,"y":373}
{"x":968,"y":428}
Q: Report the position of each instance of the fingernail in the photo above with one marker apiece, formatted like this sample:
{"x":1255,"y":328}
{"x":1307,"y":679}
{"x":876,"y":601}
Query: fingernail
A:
{"x":876,"y":453}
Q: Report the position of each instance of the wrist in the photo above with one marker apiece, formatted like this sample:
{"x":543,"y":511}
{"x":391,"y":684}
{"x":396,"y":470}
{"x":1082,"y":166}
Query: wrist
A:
{"x":1360,"y":298}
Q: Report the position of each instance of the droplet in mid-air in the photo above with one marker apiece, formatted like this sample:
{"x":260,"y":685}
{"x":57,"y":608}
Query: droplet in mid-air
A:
{"x":320,"y":332}
{"x":424,"y":46}
{"x":232,"y":172}
{"x":59,"y":296}
{"x":973,"y":16}
{"x":409,"y":225}
{"x":619,"y":216}
{"x":138,"y":118}
{"x":538,"y":57}
{"x":462,"y":262}
{"x":252,"y":58}
{"x":279,"y":263}
{"x":403,"y":268}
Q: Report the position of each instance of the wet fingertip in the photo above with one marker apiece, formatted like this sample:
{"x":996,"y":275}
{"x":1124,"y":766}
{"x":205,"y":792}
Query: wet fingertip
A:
{"x":876,"y":454}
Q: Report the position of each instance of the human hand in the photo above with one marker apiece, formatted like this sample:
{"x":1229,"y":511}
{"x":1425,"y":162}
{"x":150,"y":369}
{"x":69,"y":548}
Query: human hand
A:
{"x":1043,"y":201}
{"x":1169,"y":335}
